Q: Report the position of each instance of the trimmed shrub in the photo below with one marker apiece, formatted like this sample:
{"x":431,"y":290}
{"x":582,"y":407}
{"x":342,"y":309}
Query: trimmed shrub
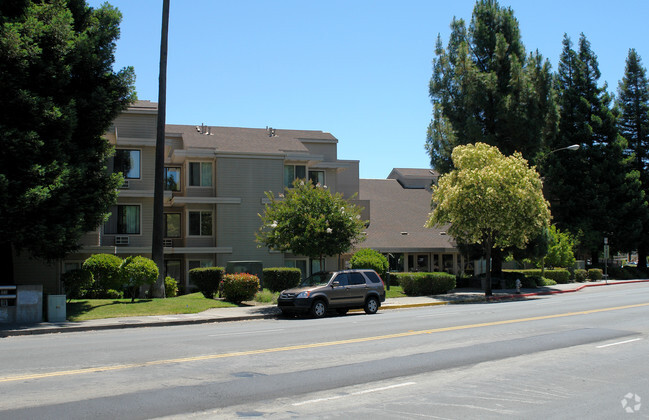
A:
{"x":240,"y":287}
{"x":595,"y":274}
{"x":542,"y":281}
{"x":424,"y":284}
{"x":560,"y":275}
{"x":207,"y":280}
{"x":113,"y":294}
{"x":77,"y":283}
{"x":277,"y":279}
{"x":581,"y":275}
{"x":370,"y":259}
{"x":171,"y":287}
{"x":105,"y":270}
{"x":138,"y":271}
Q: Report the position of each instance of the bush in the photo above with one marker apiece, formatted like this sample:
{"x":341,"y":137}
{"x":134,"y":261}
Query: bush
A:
{"x":105,"y":270}
{"x":76,"y":283}
{"x":424,"y":284}
{"x":370,"y":259}
{"x":113,"y":294}
{"x":266,"y":296}
{"x":581,"y":275}
{"x":207,"y":279}
{"x":560,"y":275}
{"x":171,"y":287}
{"x":138,"y":271}
{"x":595,"y":274}
{"x":546,"y":282}
{"x":277,"y":279}
{"x":240,"y":287}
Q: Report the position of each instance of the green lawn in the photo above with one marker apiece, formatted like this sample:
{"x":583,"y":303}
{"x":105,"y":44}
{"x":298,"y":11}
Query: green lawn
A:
{"x":394,"y":292}
{"x":85,"y":309}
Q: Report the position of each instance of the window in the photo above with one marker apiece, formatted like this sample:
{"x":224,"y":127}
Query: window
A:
{"x":71,"y":265}
{"x":172,"y":179}
{"x":124,"y":219}
{"x":199,"y":264}
{"x":127,"y":162}
{"x":172,"y":225}
{"x":317,"y":177}
{"x":356,"y":278}
{"x":200,"y":223}
{"x":293,"y":172}
{"x":200,"y":174}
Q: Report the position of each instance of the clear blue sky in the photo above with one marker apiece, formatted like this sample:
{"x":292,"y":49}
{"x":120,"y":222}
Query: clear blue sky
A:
{"x":358,"y":69}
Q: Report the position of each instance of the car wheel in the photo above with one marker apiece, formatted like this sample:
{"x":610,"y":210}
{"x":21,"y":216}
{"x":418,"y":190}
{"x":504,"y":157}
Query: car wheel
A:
{"x":371,"y":305}
{"x":319,"y":308}
{"x":341,"y":311}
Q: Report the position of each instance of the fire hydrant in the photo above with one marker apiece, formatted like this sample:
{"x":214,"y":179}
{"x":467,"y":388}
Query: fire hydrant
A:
{"x":518,"y":286}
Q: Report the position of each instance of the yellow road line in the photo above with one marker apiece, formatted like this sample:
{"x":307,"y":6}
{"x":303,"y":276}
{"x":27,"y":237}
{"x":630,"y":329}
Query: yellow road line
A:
{"x":305,"y":346}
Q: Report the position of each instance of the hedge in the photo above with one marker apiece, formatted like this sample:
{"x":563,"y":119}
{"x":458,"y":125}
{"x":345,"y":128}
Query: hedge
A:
{"x":560,"y":275}
{"x":595,"y":274}
{"x":277,"y":279}
{"x":207,"y":279}
{"x":239,"y":287}
{"x":424,"y":284}
{"x":581,"y":275}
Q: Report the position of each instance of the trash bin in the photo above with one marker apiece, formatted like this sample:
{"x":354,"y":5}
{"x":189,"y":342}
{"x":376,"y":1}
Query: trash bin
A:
{"x":56,"y":308}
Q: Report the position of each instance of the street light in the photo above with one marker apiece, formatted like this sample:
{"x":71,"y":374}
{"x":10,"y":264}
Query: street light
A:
{"x":571,"y":147}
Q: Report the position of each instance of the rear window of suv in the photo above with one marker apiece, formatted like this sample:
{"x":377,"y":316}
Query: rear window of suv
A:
{"x":374,"y":278}
{"x":356,"y":278}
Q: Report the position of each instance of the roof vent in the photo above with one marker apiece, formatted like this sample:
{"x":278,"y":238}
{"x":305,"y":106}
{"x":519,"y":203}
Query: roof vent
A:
{"x":271,"y":131}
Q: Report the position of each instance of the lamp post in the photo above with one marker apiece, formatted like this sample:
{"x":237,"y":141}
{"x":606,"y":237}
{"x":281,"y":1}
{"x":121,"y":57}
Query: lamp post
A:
{"x":572,"y":147}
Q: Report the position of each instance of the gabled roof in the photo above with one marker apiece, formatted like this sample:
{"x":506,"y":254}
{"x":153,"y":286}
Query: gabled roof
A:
{"x":248,"y":140}
{"x":397,"y":217}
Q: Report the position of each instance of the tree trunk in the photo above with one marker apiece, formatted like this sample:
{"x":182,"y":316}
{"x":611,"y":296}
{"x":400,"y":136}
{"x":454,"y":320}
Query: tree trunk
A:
{"x":497,"y":262}
{"x":642,"y":257}
{"x":157,"y":248}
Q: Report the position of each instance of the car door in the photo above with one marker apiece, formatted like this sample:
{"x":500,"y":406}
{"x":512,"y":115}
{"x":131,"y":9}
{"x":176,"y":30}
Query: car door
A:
{"x":338,"y":294}
{"x":357,"y":289}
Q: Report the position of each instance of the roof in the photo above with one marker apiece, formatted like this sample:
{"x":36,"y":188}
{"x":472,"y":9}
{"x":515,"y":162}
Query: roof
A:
{"x":247,"y":140}
{"x":397,"y":218}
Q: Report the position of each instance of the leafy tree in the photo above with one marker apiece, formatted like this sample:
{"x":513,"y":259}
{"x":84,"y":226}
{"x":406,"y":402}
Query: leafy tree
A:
{"x":593,"y":191}
{"x":136,"y":272}
{"x":310,"y":221}
{"x":633,"y":101}
{"x":369,"y":258}
{"x":486,"y":89}
{"x":490,"y":199}
{"x":58,"y":96}
{"x":560,"y":249}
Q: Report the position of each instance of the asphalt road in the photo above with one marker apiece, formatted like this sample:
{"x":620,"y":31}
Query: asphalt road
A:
{"x":568,"y":356}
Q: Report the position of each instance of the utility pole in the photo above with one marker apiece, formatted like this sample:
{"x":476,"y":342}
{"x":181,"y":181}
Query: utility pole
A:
{"x":157,"y":248}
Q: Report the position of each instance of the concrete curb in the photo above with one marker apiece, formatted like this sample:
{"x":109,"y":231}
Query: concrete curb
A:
{"x":82,"y":328}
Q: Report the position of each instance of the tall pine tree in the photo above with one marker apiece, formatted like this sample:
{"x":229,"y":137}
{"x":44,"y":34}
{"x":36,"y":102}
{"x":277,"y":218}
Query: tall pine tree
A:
{"x":633,"y":102}
{"x":484,"y":88}
{"x":592,"y":191}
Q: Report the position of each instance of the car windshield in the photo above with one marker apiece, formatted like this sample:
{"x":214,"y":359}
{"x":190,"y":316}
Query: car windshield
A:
{"x":317,"y":279}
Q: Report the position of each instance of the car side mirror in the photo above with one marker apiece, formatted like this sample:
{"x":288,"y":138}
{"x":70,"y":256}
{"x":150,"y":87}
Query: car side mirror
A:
{"x":335,"y":283}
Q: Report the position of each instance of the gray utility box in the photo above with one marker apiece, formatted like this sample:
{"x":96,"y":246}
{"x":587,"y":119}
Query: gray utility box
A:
{"x":22,"y":304}
{"x":56,"y":308}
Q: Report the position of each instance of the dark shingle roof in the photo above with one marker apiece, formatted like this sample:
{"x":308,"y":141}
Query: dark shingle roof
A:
{"x":395,"y":210}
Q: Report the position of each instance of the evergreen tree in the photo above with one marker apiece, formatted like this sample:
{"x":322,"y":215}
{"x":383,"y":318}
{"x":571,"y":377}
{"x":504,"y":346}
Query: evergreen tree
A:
{"x":593,"y":190}
{"x":58,"y":96}
{"x":633,"y":101}
{"x":484,"y":88}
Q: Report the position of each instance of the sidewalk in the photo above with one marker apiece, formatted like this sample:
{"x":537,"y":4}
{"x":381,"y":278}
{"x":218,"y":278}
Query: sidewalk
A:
{"x":243,"y":313}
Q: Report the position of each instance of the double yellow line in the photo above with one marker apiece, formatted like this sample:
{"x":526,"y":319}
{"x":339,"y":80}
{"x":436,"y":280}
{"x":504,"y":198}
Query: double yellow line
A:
{"x":303,"y":346}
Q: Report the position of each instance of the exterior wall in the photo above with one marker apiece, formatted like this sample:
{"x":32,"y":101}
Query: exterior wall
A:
{"x":327,"y":150}
{"x":236,"y":224}
{"x":347,"y":180}
{"x":132,"y":125}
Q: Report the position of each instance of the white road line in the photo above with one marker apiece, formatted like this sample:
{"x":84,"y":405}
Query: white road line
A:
{"x":246,"y":332}
{"x":619,"y":342}
{"x":367,"y":391}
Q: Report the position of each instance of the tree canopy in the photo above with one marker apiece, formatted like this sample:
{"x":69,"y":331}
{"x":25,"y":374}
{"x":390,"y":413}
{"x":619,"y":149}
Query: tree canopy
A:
{"x":309,"y":220}
{"x":486,"y":89}
{"x":58,"y":96}
{"x":490,"y":199}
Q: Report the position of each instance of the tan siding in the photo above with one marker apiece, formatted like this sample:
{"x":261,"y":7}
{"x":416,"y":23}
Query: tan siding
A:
{"x":136,"y":126}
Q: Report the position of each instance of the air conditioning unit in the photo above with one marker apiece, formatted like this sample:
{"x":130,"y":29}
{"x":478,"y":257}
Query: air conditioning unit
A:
{"x":168,"y":242}
{"x":125,"y":185}
{"x":121,"y":240}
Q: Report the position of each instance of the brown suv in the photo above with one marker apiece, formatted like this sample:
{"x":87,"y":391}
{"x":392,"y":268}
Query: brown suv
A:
{"x":338,"y":290}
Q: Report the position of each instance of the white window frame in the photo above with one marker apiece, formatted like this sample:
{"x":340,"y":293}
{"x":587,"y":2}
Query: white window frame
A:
{"x":103,"y":228}
{"x":189,"y":177}
{"x":139,"y":162}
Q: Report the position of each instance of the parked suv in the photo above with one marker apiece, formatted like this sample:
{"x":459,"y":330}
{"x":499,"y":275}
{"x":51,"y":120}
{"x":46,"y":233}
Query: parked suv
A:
{"x":338,"y":290}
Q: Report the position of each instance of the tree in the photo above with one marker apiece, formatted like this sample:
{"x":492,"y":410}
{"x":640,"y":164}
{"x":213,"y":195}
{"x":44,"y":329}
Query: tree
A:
{"x":593,"y":191}
{"x":58,"y":96}
{"x":369,"y":258}
{"x":560,"y":249}
{"x":308,"y":220}
{"x":136,"y":272}
{"x":105,"y":272}
{"x":633,"y":101}
{"x":485,"y":89}
{"x":490,"y":199}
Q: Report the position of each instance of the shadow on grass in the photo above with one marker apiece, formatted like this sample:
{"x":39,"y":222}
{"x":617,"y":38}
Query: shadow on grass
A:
{"x":76,"y":309}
